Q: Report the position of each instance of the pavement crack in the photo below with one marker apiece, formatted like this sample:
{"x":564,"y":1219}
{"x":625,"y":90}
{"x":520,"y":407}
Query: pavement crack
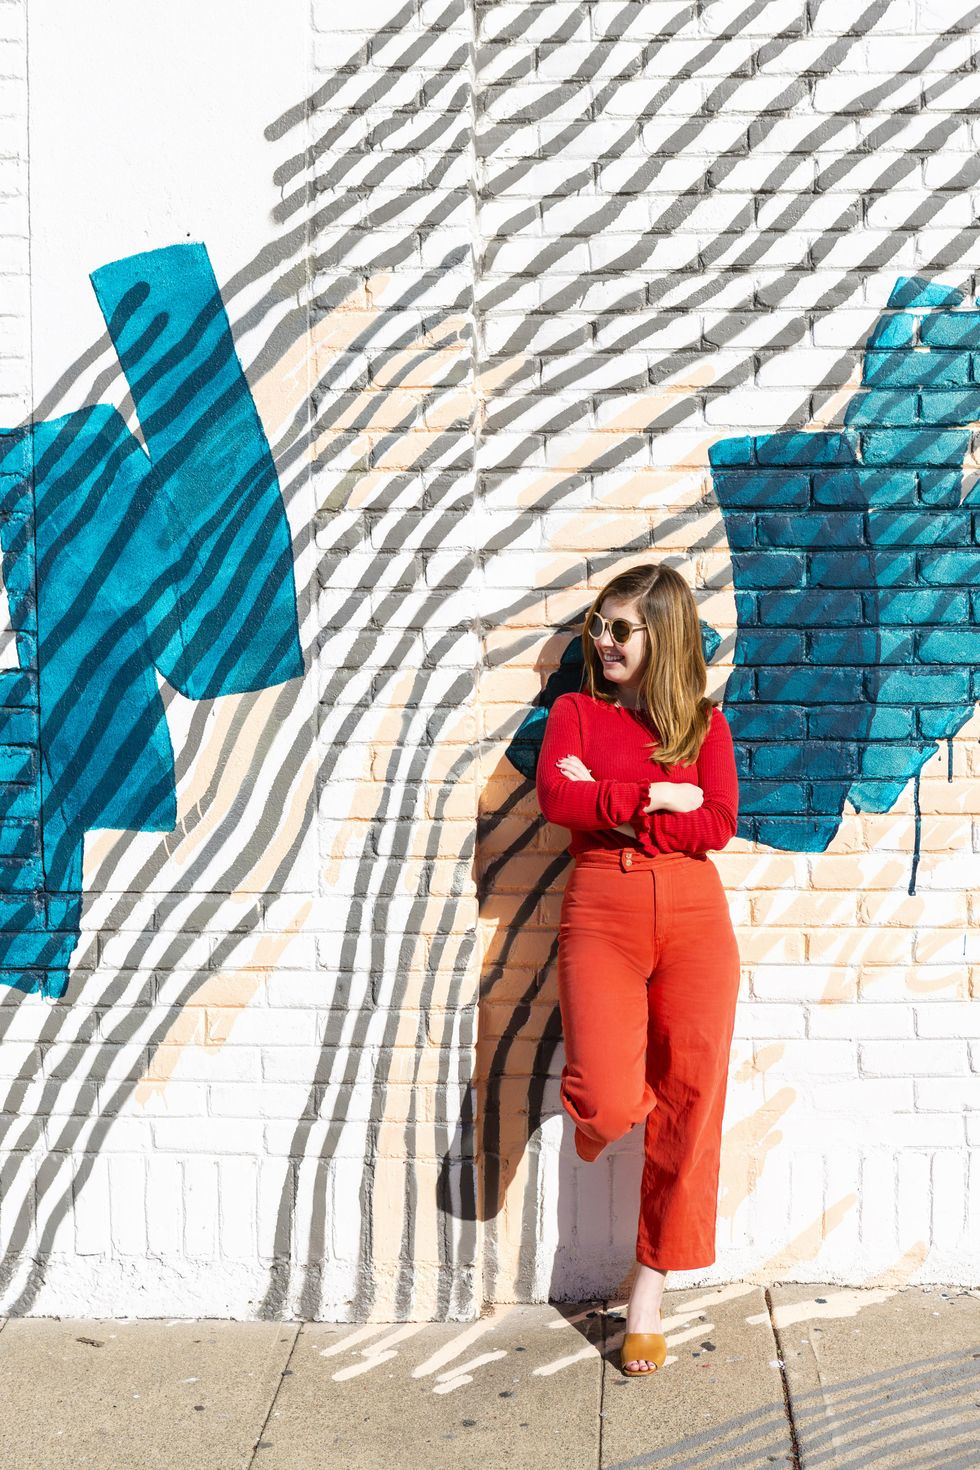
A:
{"x":603,"y":1365}
{"x":272,"y":1402}
{"x":784,"y":1380}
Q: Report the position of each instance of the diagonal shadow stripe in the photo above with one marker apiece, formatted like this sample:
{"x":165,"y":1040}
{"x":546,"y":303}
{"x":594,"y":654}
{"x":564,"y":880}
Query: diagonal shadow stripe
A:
{"x":945,"y":1386}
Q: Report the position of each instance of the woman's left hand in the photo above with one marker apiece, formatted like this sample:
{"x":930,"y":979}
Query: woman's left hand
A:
{"x":574,"y":769}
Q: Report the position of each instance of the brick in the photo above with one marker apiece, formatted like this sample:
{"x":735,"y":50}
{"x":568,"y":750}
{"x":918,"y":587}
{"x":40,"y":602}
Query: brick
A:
{"x":918,"y":1058}
{"x":817,"y":1058}
{"x":805,"y":982}
{"x":946,"y":1019}
{"x":947,"y":1094}
{"x":764,"y":1020}
{"x":867,"y":1019}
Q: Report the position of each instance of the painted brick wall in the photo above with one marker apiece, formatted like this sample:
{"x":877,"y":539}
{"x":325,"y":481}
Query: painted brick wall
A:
{"x":523,"y":294}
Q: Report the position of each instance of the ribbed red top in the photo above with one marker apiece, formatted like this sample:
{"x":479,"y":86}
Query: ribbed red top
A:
{"x":610,"y":739}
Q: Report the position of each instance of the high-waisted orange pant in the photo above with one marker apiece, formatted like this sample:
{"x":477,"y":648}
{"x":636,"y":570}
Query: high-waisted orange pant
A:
{"x":648,"y":973}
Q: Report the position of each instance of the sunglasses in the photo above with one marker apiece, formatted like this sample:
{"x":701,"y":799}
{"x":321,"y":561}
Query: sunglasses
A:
{"x":618,"y":627}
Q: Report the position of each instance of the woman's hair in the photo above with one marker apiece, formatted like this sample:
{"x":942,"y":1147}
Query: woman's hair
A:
{"x":672,"y":692}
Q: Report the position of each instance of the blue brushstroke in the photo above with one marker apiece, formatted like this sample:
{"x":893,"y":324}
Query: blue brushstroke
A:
{"x":859,"y":548}
{"x":119,"y":563}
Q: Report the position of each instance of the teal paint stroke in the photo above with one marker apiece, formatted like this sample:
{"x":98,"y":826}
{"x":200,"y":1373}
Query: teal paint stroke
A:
{"x":858,"y":549}
{"x":120,"y":563}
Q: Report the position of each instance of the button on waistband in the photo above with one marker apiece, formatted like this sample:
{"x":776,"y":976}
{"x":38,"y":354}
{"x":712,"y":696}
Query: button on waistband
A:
{"x":626,"y":858}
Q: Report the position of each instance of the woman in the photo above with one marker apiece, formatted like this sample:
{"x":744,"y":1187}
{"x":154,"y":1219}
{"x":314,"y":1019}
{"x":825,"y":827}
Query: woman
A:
{"x":648,"y":966}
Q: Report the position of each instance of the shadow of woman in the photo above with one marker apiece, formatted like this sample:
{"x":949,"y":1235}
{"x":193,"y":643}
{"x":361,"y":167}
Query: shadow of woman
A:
{"x":554,"y":1228}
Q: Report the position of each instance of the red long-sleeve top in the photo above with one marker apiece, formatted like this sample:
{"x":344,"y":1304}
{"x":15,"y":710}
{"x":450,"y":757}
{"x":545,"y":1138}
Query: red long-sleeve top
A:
{"x":610,"y":740}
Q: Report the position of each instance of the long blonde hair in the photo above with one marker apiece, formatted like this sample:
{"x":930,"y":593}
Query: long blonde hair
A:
{"x":672,"y":693}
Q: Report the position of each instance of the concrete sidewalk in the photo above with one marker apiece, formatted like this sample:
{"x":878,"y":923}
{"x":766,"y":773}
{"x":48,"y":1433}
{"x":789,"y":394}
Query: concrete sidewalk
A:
{"x":797,"y":1376}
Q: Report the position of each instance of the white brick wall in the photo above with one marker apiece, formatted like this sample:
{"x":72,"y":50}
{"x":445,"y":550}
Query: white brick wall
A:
{"x":499,"y":275}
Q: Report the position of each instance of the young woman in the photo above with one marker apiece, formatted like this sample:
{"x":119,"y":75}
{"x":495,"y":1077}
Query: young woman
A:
{"x":640,"y":768}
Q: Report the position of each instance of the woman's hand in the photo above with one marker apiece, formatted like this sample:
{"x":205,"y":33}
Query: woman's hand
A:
{"x":674,"y":796}
{"x":577,"y":770}
{"x":664,"y":796}
{"x":574,"y":769}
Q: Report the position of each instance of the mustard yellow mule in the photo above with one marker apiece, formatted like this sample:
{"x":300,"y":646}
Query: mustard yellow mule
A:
{"x":650,"y":1347}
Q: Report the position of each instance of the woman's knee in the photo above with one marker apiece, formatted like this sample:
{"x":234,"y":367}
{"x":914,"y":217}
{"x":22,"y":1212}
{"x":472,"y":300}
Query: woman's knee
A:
{"x":606,"y":1119}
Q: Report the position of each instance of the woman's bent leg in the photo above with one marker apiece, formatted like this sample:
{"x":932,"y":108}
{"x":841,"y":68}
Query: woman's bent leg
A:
{"x":604,"y":953}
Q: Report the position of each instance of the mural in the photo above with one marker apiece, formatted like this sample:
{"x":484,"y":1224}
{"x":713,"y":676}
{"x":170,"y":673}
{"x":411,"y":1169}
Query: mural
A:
{"x":119,"y":561}
{"x":512,"y":316}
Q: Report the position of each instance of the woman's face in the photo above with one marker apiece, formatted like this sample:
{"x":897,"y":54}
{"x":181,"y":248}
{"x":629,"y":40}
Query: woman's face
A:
{"x":623,"y":664}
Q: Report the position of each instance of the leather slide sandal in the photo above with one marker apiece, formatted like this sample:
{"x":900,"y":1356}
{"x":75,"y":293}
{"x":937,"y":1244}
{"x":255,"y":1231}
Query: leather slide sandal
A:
{"x":650,"y":1347}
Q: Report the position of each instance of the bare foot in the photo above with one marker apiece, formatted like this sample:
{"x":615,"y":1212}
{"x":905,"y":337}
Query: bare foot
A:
{"x":643,"y":1313}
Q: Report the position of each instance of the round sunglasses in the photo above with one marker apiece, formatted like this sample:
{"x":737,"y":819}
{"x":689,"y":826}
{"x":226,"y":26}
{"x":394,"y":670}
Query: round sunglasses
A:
{"x":618,"y":627}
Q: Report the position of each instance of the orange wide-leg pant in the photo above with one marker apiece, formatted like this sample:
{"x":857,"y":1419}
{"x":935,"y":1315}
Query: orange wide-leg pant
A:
{"x":648,"y":974}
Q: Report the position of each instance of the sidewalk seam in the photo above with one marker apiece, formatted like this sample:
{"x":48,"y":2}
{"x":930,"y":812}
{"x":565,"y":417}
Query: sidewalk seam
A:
{"x":272,"y":1402}
{"x":784,"y":1380}
{"x":603,"y":1366}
